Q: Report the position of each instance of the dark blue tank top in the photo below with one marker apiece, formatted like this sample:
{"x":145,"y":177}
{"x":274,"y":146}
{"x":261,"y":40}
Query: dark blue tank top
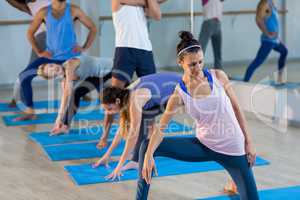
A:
{"x":161,"y":85}
{"x":61,"y":37}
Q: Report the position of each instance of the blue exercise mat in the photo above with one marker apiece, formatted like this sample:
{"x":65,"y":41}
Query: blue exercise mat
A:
{"x":78,"y":151}
{"x":48,"y":118}
{"x":54,"y":104}
{"x":74,"y":135}
{"x":84,"y":174}
{"x":91,"y":133}
{"x":288,"y":193}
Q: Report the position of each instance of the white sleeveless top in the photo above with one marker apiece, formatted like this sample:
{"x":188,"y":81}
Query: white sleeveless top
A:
{"x":131,"y":28}
{"x":35,"y":7}
{"x":217,"y":126}
{"x":212,"y":9}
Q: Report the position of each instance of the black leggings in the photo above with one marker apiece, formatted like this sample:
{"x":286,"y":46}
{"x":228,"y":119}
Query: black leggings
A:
{"x":148,"y":118}
{"x":190,"y":149}
{"x":81,"y":90}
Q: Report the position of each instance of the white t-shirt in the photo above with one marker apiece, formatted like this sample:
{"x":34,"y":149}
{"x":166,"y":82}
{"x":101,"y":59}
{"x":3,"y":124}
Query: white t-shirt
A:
{"x":35,"y":7}
{"x":131,"y":28}
{"x":212,"y":9}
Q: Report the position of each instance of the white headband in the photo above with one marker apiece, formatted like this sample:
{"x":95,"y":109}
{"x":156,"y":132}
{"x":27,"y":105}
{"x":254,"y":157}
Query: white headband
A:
{"x":189,"y":47}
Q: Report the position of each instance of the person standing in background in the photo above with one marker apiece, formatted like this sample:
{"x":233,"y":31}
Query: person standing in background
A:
{"x":61,"y":45}
{"x":211,"y":29}
{"x":30,"y":7}
{"x":133,"y":47}
{"x":268,"y":22}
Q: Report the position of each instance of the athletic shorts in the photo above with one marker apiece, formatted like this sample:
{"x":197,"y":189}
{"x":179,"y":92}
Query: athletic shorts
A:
{"x":129,"y":60}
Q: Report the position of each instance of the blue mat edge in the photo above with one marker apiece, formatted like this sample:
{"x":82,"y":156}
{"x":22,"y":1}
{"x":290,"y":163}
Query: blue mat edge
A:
{"x":53,"y":160}
{"x":37,"y":105}
{"x":9,"y":123}
{"x":265,"y":162}
{"x":30,"y":136}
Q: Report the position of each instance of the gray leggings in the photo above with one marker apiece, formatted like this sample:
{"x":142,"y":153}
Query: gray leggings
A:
{"x":211,"y":29}
{"x":190,"y":149}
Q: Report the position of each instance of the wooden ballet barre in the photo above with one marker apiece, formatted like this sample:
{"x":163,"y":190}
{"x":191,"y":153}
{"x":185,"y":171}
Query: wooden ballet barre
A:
{"x":14,"y":22}
{"x":187,"y":14}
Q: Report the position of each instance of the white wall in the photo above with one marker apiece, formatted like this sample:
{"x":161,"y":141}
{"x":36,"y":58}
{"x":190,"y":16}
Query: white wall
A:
{"x":240,"y":34}
{"x":241,"y":37}
{"x":282,"y":107}
{"x":293,"y":28}
{"x":15,"y":50}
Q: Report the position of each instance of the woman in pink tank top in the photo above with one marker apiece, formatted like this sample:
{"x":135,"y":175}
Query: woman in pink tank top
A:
{"x":221,"y":133}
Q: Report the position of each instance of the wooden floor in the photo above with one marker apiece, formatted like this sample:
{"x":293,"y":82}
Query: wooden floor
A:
{"x":27,"y":174}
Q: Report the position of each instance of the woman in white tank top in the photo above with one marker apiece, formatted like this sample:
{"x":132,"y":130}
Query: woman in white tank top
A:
{"x":221,"y":133}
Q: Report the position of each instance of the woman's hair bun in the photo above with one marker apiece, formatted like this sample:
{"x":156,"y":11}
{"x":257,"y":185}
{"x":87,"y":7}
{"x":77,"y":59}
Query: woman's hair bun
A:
{"x":186,"y":36}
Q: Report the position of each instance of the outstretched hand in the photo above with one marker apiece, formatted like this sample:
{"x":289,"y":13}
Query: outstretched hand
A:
{"x":251,"y":154}
{"x":272,"y":34}
{"x":45,"y":54}
{"x":102,"y":161}
{"x":115,"y":175}
{"x":59,"y":128}
{"x":78,"y":49}
{"x":148,"y":167}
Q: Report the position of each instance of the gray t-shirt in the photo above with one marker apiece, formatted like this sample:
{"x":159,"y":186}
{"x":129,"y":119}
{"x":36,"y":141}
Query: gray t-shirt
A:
{"x":93,"y":67}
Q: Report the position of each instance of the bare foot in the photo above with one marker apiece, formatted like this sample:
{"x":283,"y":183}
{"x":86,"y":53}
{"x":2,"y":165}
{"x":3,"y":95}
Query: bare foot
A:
{"x":280,"y":79}
{"x":61,"y":130}
{"x":281,"y":83}
{"x":130,"y":165}
{"x":102,"y":144}
{"x":25,"y":117}
{"x":230,"y":189}
{"x":12,"y":104}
